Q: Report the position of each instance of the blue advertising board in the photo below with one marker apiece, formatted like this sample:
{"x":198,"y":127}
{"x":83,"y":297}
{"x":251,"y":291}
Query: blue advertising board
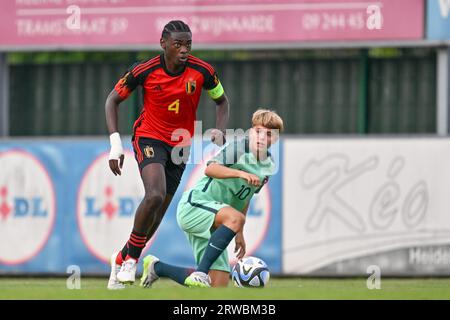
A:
{"x":438,"y":19}
{"x":60,"y":206}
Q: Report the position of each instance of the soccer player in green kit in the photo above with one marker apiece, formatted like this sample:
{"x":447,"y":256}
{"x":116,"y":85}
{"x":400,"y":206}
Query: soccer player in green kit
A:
{"x":213,"y":212}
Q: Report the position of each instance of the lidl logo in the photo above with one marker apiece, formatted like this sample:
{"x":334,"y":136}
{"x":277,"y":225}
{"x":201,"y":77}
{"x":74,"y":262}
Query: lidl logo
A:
{"x":113,"y":206}
{"x":20,"y":206}
{"x":27,"y":206}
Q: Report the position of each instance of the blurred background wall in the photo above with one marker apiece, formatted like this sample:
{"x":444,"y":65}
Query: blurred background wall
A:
{"x":317,"y":91}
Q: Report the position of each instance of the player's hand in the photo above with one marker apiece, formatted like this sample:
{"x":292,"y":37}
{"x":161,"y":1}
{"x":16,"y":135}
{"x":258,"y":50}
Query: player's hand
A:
{"x":116,"y":156}
{"x":250,"y":178}
{"x":116,"y":165}
{"x":218,"y":137}
{"x":239,"y":249}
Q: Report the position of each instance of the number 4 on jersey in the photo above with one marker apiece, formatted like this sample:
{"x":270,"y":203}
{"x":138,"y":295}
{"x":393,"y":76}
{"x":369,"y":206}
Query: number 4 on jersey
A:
{"x":174,"y":106}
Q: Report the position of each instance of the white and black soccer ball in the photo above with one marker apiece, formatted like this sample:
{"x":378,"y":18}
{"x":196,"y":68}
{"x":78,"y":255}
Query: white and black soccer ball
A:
{"x":250,"y":272}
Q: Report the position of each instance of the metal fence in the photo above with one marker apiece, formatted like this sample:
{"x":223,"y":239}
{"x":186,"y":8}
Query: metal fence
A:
{"x":337,"y":94}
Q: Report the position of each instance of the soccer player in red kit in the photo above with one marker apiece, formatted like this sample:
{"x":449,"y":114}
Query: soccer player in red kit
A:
{"x":172,"y":84}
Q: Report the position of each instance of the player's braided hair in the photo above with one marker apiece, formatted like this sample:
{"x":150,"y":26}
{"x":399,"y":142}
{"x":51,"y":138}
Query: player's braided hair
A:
{"x":175,"y":26}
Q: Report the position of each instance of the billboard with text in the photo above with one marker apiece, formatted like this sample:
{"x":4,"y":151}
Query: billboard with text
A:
{"x":60,"y":205}
{"x":138,"y":23}
{"x":352,"y":203}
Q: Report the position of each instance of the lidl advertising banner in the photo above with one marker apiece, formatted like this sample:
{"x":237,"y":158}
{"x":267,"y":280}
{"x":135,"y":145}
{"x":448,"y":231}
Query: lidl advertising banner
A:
{"x":113,"y":23}
{"x":335,"y":207}
{"x":60,"y":205}
{"x":438,"y":19}
{"x":355,"y":203}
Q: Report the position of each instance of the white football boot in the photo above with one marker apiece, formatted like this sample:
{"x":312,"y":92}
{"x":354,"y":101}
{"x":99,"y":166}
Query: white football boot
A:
{"x":198,"y":279}
{"x":127,"y":272}
{"x":113,"y":283}
{"x":149,"y":275}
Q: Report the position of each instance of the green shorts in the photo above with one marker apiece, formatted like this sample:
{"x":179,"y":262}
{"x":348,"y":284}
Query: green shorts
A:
{"x":195,"y":216}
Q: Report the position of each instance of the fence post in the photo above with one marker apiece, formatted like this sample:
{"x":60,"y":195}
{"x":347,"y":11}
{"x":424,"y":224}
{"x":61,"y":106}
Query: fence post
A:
{"x":363,"y":112}
{"x":443,"y":91}
{"x":4,"y":95}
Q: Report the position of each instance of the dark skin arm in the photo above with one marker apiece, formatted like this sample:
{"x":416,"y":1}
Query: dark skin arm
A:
{"x":222,"y":114}
{"x":112,"y":116}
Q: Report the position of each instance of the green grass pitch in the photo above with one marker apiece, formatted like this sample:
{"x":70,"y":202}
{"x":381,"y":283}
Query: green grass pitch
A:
{"x":285,"y":288}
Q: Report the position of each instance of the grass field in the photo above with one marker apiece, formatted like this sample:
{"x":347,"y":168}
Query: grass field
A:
{"x":291,"y":288}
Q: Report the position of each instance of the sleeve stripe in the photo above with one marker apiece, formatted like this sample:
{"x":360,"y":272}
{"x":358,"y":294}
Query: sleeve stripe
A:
{"x":141,"y":65}
{"x":138,"y":69}
{"x":202,"y":63}
{"x":150,"y":67}
{"x":122,"y":91}
{"x":207,"y":67}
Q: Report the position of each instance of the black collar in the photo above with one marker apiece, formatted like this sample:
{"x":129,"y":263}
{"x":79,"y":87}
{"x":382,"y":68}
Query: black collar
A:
{"x":163,"y":63}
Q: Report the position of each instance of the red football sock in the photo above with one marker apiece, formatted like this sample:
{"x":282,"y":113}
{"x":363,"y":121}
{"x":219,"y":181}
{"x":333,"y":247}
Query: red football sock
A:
{"x":135,"y":245}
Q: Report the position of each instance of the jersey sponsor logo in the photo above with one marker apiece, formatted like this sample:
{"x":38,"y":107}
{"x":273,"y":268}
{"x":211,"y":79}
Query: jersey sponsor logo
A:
{"x":190,"y":87}
{"x":27,"y":207}
{"x":106,"y":205}
{"x":258,"y":215}
{"x":149,"y":152}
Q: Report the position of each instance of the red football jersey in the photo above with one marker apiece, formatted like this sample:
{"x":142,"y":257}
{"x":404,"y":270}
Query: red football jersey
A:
{"x":170,"y":100}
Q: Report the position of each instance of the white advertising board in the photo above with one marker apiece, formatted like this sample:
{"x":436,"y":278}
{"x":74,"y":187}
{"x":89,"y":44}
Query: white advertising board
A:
{"x":350,"y":199}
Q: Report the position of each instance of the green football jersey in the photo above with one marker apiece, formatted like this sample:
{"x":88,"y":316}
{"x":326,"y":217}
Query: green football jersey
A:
{"x":235,"y":192}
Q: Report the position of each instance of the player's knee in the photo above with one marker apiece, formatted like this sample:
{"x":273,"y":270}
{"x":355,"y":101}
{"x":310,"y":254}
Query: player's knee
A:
{"x":153,"y":200}
{"x":236,"y":220}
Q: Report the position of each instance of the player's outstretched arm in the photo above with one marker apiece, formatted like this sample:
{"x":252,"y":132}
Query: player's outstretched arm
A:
{"x":116,"y":155}
{"x":222,"y":115}
{"x":218,"y":171}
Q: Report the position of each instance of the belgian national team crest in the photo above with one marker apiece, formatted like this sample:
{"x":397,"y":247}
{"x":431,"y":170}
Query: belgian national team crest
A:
{"x":149,"y":152}
{"x":190,"y":87}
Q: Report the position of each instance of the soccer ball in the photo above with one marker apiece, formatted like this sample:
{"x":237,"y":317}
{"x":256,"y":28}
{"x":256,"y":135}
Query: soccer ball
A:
{"x":250,"y":272}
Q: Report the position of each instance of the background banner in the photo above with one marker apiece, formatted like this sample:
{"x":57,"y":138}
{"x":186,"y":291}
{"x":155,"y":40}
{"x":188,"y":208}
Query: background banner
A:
{"x":96,"y":23}
{"x":438,"y":19}
{"x":60,"y":205}
{"x":352,"y":203}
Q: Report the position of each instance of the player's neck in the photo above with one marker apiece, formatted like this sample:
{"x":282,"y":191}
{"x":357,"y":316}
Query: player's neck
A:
{"x":172,"y":67}
{"x":260,"y":155}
